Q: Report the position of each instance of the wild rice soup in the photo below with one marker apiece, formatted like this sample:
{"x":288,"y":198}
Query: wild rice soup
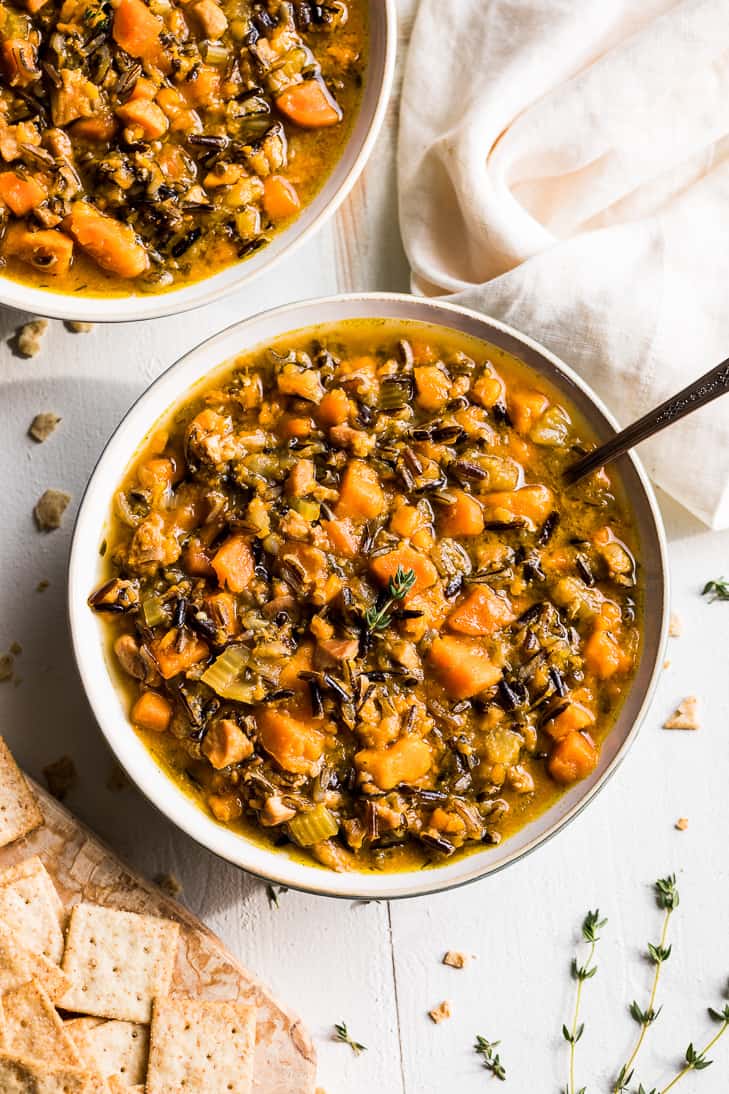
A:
{"x":358,"y":613}
{"x":150,"y":143}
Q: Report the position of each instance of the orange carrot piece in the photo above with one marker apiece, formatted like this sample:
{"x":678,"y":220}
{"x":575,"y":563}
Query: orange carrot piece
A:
{"x":406,"y":761}
{"x":464,"y":517}
{"x":343,"y":538}
{"x":481,"y":611}
{"x":280,"y":199}
{"x":603,"y":655}
{"x":291,"y":426}
{"x":233,"y":563}
{"x":526,"y":407}
{"x":172,"y":661}
{"x":576,"y":716}
{"x":143,"y":89}
{"x":360,"y":495}
{"x":152,"y":711}
{"x":386,"y":566}
{"x":432,"y":387}
{"x":573,"y":757}
{"x":100,"y":127}
{"x":112,"y":244}
{"x":309,"y":105}
{"x":534,"y":502}
{"x":20,"y":194}
{"x":463,"y":666}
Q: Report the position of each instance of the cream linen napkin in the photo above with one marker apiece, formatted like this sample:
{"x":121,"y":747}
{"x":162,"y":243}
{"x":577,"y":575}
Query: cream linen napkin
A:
{"x":564,"y":167}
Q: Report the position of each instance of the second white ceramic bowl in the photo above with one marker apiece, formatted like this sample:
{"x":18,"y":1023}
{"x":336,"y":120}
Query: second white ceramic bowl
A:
{"x":382,"y":49}
{"x":88,"y":629}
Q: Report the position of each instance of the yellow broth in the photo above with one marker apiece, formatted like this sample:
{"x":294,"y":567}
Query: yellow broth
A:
{"x":514,"y":643}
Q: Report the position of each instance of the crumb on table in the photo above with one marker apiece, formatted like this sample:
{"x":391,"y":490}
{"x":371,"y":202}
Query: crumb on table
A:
{"x":78,"y":326}
{"x":30,"y":337}
{"x":675,"y":626}
{"x":61,"y":776}
{"x":455,"y":960}
{"x":49,"y":510}
{"x":682,"y":824}
{"x":686,"y":715}
{"x":168,"y":883}
{"x":43,"y":425}
{"x":441,"y":1012}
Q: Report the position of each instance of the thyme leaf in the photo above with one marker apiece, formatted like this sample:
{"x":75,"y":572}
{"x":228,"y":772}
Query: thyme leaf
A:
{"x":342,"y":1034}
{"x":490,"y":1059}
{"x":378,"y":619}
{"x":716,"y":590}
{"x":592,"y":924}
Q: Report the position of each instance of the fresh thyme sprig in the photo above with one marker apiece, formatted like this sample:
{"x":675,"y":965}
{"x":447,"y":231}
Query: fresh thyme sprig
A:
{"x":378,"y":618}
{"x":490,"y":1059}
{"x":591,"y":924}
{"x":342,"y":1034}
{"x":716,"y":590}
{"x":697,"y":1060}
{"x":667,"y":899}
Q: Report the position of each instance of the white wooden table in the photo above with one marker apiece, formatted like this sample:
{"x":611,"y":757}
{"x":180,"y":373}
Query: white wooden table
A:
{"x":375,"y":966}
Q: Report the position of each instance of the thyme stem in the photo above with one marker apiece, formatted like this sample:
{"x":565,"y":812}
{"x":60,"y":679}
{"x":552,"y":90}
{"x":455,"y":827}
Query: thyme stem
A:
{"x":573,"y":1031}
{"x":667,"y":899}
{"x":696,"y":1061}
{"x":590,"y":926}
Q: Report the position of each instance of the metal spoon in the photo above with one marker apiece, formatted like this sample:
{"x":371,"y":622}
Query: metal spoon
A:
{"x":702,"y":391}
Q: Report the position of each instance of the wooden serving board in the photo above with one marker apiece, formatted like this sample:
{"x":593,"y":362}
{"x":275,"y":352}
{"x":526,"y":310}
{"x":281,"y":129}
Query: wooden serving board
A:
{"x":83,"y":868}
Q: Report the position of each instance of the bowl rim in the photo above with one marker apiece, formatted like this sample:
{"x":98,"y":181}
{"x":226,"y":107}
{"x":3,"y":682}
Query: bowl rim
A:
{"x":198,"y":294}
{"x":156,"y":785}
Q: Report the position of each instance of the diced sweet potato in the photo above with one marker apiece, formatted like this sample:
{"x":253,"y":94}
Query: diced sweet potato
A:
{"x":301,"y":479}
{"x":343,"y":538}
{"x":145,"y":116}
{"x":576,"y":716}
{"x":309,"y":105}
{"x":225,"y":743}
{"x":432,"y":387}
{"x":386,"y":566}
{"x":488,"y":390}
{"x":464,"y":517}
{"x":50,"y":251}
{"x":137,"y":30}
{"x":481,"y":611}
{"x":405,"y":521}
{"x":233,"y":563}
{"x":463,"y":666}
{"x":110,"y":243}
{"x":101,"y":128}
{"x":19,"y":60}
{"x":535,"y":503}
{"x":172,"y":661}
{"x":526,"y":407}
{"x":334,"y":408}
{"x":603,"y":655}
{"x":196,"y":560}
{"x":301,"y":661}
{"x":20,"y":194}
{"x":292,"y":426}
{"x":573,"y":757}
{"x":360,"y":495}
{"x":295,"y":745}
{"x":152,"y":711}
{"x":406,"y":761}
{"x":280,"y":199}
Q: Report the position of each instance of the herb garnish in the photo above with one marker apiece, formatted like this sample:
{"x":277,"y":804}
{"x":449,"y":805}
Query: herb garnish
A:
{"x":491,"y":1059}
{"x":716,"y":590}
{"x":591,"y":924}
{"x":273,"y":894}
{"x":378,"y":618}
{"x":342,"y":1034}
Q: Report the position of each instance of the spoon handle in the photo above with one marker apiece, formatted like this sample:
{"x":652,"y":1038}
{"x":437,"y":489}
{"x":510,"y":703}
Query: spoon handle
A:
{"x":702,"y":391}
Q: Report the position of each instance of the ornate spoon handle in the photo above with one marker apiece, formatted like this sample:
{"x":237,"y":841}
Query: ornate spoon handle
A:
{"x":702,"y":391}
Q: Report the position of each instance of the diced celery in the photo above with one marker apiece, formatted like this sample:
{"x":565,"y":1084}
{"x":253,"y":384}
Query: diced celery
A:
{"x":313,"y":827}
{"x":154,"y":611}
{"x":309,"y":510}
{"x":216,"y":53}
{"x":226,"y":669}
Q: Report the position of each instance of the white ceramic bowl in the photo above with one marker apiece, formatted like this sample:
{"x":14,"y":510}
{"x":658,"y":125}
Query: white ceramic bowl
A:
{"x":121,"y":309}
{"x":88,"y":629}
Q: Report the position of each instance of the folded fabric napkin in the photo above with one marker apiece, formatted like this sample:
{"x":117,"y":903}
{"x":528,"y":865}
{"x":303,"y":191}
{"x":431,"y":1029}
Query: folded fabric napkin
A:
{"x":564,"y":167}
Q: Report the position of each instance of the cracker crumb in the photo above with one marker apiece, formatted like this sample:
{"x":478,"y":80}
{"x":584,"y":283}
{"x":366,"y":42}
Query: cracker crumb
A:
{"x":61,"y":776}
{"x":686,"y":715}
{"x":78,"y":326}
{"x":6,"y":667}
{"x":16,"y":649}
{"x":675,"y":626}
{"x":666,"y":664}
{"x":682,"y":824}
{"x":29,"y":337}
{"x":455,"y":960}
{"x":169,"y":883}
{"x":43,"y":425}
{"x":441,"y":1012}
{"x":117,"y":780}
{"x":42,"y":586}
{"x":49,"y":510}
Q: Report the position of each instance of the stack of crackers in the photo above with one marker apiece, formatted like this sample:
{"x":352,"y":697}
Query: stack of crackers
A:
{"x":84,"y":998}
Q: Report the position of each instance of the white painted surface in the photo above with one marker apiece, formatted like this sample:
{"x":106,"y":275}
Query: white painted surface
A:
{"x":375,"y":967}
